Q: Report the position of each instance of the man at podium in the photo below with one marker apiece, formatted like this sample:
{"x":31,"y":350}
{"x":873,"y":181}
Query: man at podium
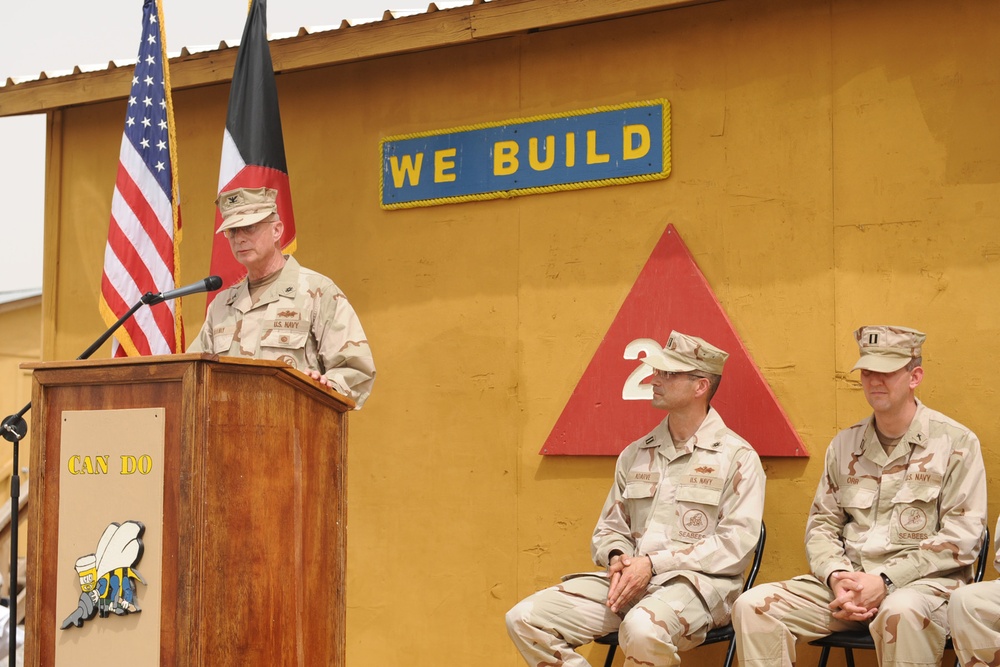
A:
{"x":283,"y":311}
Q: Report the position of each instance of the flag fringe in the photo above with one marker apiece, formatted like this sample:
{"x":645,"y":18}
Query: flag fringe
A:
{"x":175,"y":197}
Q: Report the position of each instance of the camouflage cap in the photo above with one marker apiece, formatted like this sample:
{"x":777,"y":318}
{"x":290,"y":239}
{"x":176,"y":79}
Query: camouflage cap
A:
{"x":684,"y":353}
{"x":885,"y":349}
{"x":243,"y":207}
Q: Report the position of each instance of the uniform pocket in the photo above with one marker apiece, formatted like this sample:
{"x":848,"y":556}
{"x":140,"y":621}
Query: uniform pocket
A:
{"x":222,"y":340}
{"x":638,"y":490}
{"x":857,"y":501}
{"x":286,"y":345}
{"x":638,"y":497}
{"x":697,"y":513}
{"x":914,"y":514}
{"x":857,"y":497}
{"x":283,"y":339}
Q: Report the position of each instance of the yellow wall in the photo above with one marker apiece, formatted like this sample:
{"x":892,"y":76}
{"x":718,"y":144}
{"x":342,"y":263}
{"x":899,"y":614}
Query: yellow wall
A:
{"x":20,"y":342}
{"x":834,"y":163}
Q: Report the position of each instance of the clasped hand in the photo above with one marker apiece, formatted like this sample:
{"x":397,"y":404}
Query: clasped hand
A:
{"x":857,"y":595}
{"x":629,"y":575}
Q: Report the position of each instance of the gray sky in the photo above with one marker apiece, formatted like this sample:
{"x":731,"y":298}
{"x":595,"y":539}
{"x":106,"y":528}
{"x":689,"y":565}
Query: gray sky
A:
{"x":56,"y":35}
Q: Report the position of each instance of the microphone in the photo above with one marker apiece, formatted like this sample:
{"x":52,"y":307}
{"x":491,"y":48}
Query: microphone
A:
{"x":209,"y":284}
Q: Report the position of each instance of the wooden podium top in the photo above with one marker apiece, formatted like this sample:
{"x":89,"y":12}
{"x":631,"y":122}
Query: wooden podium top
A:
{"x":277,"y":367}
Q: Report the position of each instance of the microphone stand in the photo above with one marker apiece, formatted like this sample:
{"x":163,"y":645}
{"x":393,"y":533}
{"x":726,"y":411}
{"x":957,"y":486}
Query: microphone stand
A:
{"x":13,"y":429}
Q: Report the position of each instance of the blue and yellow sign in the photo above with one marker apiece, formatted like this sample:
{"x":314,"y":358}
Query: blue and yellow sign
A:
{"x":578,"y":149}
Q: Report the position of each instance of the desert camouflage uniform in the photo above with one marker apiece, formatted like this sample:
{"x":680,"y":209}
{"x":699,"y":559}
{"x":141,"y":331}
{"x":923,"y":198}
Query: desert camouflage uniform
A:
{"x":916,"y":515}
{"x":302,"y":319}
{"x":974,"y":614}
{"x":695,"y":510}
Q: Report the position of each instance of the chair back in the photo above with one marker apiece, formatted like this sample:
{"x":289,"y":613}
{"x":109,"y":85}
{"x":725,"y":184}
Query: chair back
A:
{"x":984,"y":556}
{"x":758,"y":556}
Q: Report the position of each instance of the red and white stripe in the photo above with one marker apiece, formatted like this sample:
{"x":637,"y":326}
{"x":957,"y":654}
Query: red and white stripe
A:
{"x":141,"y":252}
{"x":139,"y":257}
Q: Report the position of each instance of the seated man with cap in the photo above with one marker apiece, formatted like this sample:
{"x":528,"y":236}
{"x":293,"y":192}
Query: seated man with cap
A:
{"x":676,"y":533}
{"x":282,"y":310}
{"x":894,"y":528}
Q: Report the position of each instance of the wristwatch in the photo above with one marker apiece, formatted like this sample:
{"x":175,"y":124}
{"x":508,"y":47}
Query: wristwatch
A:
{"x":889,"y":586}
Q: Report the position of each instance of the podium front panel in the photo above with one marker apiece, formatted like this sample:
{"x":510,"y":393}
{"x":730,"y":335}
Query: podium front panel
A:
{"x":110,"y":536}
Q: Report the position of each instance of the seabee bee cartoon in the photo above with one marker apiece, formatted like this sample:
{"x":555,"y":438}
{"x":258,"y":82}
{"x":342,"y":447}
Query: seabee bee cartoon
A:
{"x":108,"y":577}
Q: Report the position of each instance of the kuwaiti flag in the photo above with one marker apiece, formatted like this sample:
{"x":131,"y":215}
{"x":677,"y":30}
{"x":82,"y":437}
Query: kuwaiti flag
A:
{"x":141,"y":254}
{"x":253,"y":149}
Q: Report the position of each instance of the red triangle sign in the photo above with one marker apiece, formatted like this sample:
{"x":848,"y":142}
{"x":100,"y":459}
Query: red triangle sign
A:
{"x":670,"y":293}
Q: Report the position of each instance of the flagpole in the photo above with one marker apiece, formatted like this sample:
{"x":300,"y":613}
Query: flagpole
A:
{"x":175,"y":196}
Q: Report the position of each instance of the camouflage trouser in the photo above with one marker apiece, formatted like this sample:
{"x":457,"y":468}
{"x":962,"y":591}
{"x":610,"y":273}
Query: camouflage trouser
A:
{"x":974,"y":615}
{"x":548,"y":625}
{"x":909,"y":629}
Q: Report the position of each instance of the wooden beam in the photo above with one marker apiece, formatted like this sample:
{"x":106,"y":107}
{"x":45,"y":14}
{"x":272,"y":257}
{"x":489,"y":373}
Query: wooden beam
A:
{"x":498,"y":19}
{"x":373,"y":40}
{"x":51,"y":228}
{"x":434,"y":29}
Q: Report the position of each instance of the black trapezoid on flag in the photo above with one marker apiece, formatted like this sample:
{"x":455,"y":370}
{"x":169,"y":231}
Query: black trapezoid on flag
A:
{"x":253,"y":119}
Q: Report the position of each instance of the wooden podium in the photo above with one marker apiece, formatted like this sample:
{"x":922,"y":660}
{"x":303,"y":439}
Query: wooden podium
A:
{"x":251,"y":540}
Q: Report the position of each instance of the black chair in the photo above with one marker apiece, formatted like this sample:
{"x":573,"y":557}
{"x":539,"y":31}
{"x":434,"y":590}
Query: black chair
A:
{"x":862,"y":639}
{"x":715,"y":635}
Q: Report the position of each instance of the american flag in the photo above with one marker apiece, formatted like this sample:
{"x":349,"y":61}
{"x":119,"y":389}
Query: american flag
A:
{"x":141,"y":254}
{"x":253,"y":148}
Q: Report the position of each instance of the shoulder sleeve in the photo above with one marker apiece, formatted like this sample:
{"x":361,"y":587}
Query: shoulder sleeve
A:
{"x":613,"y":530}
{"x":825,"y":526}
{"x":342,"y":344}
{"x":203,"y":341}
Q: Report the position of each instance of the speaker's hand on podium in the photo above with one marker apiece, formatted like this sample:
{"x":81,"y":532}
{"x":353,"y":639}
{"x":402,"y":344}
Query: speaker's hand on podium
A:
{"x":322,"y":379}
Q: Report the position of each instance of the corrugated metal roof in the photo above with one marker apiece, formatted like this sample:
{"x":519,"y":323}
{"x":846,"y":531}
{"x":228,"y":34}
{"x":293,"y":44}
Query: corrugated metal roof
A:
{"x":449,"y":23}
{"x":388,"y":15}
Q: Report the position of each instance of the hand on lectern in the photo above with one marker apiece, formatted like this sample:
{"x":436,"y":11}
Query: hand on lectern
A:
{"x":319,"y":377}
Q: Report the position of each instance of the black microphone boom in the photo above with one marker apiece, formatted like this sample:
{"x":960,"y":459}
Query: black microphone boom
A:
{"x":206,"y":285}
{"x":209,"y":284}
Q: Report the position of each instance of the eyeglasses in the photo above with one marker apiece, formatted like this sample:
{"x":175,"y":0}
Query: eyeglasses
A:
{"x":669,"y":375}
{"x":249,"y":230}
